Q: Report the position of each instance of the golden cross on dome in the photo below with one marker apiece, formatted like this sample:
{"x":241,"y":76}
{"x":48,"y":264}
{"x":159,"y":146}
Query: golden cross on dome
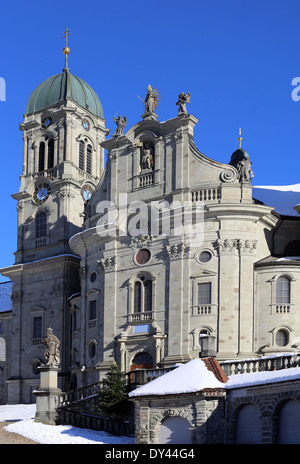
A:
{"x":240,"y":138}
{"x":66,"y":50}
{"x":66,"y":35}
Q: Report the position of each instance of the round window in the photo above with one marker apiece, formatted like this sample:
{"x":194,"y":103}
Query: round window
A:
{"x":205,"y":256}
{"x":93,"y":276}
{"x":142,"y":256}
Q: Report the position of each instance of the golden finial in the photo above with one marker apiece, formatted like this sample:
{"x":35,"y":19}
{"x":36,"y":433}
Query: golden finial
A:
{"x":240,"y":138}
{"x":66,"y":49}
{"x":67,"y":32}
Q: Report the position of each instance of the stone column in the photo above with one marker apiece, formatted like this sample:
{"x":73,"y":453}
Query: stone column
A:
{"x":178,"y":349}
{"x":108,"y":265}
{"x":228,"y":324}
{"x":247,"y":250}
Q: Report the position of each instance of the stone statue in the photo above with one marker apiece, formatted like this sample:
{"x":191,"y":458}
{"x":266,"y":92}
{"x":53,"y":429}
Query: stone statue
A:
{"x":244,"y":170}
{"x":241,"y":161}
{"x":121,"y":123}
{"x":51,"y":354}
{"x":147,"y":158}
{"x":183,"y":99}
{"x":150,"y":100}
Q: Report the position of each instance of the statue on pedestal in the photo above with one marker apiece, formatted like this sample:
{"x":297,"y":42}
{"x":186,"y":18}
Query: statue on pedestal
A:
{"x":51,"y":354}
{"x":121,"y":123}
{"x":151,"y":103}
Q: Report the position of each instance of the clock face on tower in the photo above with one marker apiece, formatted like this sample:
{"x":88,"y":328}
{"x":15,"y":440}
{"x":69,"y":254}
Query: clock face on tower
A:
{"x":41,"y":193}
{"x":87,"y":191}
{"x":85,"y":124}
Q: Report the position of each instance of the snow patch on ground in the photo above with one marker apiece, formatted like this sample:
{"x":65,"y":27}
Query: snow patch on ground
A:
{"x":52,"y":434}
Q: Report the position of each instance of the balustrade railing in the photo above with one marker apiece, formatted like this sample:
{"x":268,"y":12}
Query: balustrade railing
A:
{"x":80,"y":394}
{"x":206,"y":194}
{"x":265,"y":363}
{"x":146,"y":179}
{"x":140,"y":317}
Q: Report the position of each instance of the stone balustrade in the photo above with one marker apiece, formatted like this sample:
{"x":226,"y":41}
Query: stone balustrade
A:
{"x":265,"y":363}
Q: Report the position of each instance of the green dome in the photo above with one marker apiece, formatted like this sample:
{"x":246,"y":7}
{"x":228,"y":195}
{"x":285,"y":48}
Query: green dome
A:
{"x":239,"y":155}
{"x":62,"y":87}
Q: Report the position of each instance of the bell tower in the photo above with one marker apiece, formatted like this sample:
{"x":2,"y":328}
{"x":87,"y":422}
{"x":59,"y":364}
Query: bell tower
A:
{"x":63,"y":162}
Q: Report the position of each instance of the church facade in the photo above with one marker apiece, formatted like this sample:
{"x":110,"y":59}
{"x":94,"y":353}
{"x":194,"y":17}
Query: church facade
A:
{"x":156,"y":257}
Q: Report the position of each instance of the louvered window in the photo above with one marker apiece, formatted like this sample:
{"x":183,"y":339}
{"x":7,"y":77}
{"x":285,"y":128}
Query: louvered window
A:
{"x":148,"y":295}
{"x":89,"y":159}
{"x":50,"y":162}
{"x":41,"y":163}
{"x":81,"y":155}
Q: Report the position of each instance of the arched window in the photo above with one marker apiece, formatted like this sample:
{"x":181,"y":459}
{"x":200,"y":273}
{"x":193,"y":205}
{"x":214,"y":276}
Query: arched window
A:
{"x":148,"y":295}
{"x":81,"y":154}
{"x":50,"y":161}
{"x":40,"y":224}
{"x":283,"y":290}
{"x":85,"y":156}
{"x":137,"y":297}
{"x":41,"y":162}
{"x":46,"y":155}
{"x":92,"y":349}
{"x":89,"y":159}
{"x":142,"y":295}
{"x":282,"y":337}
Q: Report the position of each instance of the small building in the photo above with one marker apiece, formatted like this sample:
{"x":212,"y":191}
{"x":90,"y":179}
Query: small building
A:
{"x":184,"y":406}
{"x":197,"y":403}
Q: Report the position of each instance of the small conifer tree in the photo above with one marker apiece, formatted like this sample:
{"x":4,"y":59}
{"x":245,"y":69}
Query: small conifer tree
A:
{"x":113,"y":394}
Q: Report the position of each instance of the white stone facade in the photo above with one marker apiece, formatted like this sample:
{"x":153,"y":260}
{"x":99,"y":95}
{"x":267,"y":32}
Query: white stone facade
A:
{"x":149,"y":300}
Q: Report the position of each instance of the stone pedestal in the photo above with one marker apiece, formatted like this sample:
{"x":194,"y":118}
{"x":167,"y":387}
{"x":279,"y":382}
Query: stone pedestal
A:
{"x":48,"y":395}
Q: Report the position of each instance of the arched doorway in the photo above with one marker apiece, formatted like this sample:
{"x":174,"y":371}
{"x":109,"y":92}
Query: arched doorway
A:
{"x":141,"y":361}
{"x":289,"y":423}
{"x":248,"y":427}
{"x":175,"y":430}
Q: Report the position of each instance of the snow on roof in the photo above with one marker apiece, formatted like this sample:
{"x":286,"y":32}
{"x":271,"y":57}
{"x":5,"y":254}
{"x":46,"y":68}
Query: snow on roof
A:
{"x":5,"y":300}
{"x":282,"y":198}
{"x":195,"y":376}
{"x":262,"y":378}
{"x":187,"y":378}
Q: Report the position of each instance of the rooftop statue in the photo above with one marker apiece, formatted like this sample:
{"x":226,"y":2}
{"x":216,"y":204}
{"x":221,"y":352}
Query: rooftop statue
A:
{"x":51,"y":354}
{"x":151,"y":103}
{"x":183,"y":99}
{"x":121,"y":124}
{"x":241,"y":161}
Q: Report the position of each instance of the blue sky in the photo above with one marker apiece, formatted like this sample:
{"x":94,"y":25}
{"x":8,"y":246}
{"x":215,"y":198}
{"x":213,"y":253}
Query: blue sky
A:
{"x":236,"y":58}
